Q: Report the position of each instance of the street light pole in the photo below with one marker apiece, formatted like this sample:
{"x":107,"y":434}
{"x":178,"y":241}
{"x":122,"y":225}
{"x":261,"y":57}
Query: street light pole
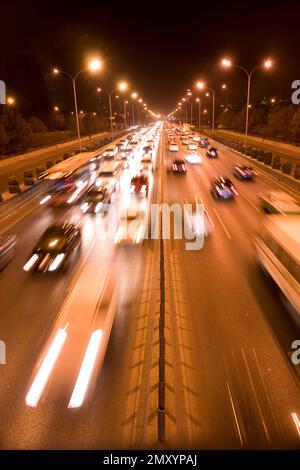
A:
{"x":125,"y":123}
{"x":267,"y":64}
{"x":191,"y":112}
{"x":76,"y":111}
{"x":213,"y":111}
{"x":110,"y":116}
{"x":132,"y":114}
{"x":94,"y":65}
{"x":199,"y":115}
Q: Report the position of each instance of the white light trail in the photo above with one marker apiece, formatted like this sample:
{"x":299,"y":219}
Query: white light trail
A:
{"x":42,"y":377}
{"x":86,"y":370}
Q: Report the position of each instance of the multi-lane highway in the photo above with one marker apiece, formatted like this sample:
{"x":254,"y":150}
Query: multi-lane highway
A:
{"x":229,"y":379}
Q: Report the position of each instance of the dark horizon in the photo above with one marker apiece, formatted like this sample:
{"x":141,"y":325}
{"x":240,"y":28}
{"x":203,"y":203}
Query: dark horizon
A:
{"x":160,"y":50}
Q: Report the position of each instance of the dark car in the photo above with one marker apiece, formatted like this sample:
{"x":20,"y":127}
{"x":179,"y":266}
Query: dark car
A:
{"x":223,"y":189}
{"x":54,"y":249}
{"x":178,"y":166}
{"x":147,"y":149}
{"x":98,"y":199}
{"x":203,"y":142}
{"x":244,"y":172}
{"x":140,"y":184}
{"x":212,"y":152}
{"x":7,"y":249}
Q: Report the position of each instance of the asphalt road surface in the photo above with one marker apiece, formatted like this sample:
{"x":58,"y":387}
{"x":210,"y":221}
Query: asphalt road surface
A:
{"x":230,"y":380}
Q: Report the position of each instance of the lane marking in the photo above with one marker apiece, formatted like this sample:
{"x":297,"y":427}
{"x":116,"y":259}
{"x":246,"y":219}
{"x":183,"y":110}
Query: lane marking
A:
{"x":249,"y":202}
{"x":235,"y":414}
{"x":222,"y":223}
{"x":255,"y":396}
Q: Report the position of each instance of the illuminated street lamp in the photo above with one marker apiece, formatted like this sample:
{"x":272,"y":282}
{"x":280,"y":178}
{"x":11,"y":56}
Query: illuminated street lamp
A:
{"x":198,"y":100}
{"x":122,"y":86}
{"x":10,"y":101}
{"x":93,"y":66}
{"x":201,"y":85}
{"x":267,"y":64}
{"x":56,"y":108}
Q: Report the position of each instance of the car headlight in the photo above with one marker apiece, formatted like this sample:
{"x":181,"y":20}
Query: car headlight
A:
{"x":56,"y":262}
{"x":84,"y":206}
{"x":118,"y":235}
{"x":98,"y":207}
{"x":30,"y":262}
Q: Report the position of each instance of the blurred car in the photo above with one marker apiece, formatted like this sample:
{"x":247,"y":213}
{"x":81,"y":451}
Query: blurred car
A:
{"x":97,"y":199}
{"x":203,"y":142}
{"x":129,"y":153}
{"x":278,"y":202}
{"x":192,"y":146}
{"x":134,"y":145}
{"x":131,"y":228}
{"x":146,"y":163}
{"x":244,"y":172}
{"x":54,"y":249}
{"x":212,"y":152}
{"x":178,"y":166}
{"x":122,"y":158}
{"x":223,"y":189}
{"x":147,"y":149}
{"x":185,"y":141}
{"x":110,"y":174}
{"x":173,"y":147}
{"x":197,"y":218}
{"x":140,"y":185}
{"x":193,"y":159}
{"x":110,"y":153}
{"x":7,"y":249}
{"x":123,"y":143}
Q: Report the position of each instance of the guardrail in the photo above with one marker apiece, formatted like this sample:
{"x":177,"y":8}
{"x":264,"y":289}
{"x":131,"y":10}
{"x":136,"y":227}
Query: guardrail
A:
{"x":265,"y":162}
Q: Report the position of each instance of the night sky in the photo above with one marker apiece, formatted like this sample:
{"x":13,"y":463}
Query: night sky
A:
{"x":161,"y":48}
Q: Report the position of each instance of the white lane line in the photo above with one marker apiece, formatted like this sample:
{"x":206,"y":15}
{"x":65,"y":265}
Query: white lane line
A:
{"x":255,"y":396}
{"x":235,"y":414}
{"x":222,"y":223}
{"x":249,"y":202}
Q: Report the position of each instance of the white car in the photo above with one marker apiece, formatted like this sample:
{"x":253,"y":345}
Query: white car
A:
{"x":131,"y":228}
{"x":196,"y":138}
{"x":193,"y":158}
{"x":110,"y":153}
{"x":192,"y":146}
{"x":173,"y":147}
{"x":146,"y":163}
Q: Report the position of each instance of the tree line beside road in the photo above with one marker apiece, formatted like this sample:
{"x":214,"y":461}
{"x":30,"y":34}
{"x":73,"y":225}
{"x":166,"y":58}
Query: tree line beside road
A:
{"x":279,"y":122}
{"x":19,"y":134}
